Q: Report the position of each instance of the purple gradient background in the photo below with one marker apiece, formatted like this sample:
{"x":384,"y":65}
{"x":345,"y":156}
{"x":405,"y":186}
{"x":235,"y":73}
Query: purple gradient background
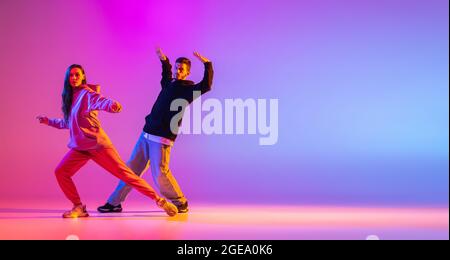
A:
{"x":363,"y":90}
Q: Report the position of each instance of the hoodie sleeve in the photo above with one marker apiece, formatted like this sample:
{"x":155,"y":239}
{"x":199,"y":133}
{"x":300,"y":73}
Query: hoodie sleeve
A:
{"x":99,"y":102}
{"x":206,"y":83}
{"x":58,"y":123}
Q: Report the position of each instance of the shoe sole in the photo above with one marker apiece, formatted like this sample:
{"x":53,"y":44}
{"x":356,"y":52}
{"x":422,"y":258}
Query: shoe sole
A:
{"x":109,"y":211}
{"x":172,"y":213}
{"x":82,"y":216}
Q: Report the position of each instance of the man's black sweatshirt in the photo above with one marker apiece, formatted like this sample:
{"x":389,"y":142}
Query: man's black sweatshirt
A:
{"x":158,"y":121}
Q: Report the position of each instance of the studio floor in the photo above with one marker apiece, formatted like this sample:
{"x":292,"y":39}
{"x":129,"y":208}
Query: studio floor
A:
{"x":42,"y":220}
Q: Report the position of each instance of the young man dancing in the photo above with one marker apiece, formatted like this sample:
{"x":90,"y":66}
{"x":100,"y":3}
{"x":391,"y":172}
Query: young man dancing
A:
{"x":155,"y":143}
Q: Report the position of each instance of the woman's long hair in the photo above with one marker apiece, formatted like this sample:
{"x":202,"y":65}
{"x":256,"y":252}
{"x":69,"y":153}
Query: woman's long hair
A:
{"x":67,"y":94}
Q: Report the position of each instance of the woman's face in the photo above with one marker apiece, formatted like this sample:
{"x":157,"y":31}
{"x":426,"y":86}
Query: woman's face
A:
{"x":76,"y":77}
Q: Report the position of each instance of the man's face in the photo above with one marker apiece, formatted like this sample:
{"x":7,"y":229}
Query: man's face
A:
{"x":181,"y":71}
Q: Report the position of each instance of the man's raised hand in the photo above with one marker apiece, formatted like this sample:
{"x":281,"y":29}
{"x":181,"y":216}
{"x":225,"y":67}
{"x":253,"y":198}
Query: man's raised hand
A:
{"x":160,"y":54}
{"x":200,"y":57}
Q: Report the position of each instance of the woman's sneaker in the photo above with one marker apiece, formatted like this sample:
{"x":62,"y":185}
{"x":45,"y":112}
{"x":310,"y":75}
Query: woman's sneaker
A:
{"x":109,"y":208}
{"x":76,"y":212}
{"x":168,"y":207}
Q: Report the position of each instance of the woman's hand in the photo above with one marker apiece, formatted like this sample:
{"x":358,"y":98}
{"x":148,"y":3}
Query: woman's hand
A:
{"x":42,"y":119}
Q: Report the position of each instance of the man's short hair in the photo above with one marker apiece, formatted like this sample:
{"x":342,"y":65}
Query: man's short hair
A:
{"x":183,"y":60}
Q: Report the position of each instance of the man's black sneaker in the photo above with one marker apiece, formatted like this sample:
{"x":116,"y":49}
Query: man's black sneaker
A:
{"x":108,"y":208}
{"x":183,"y":208}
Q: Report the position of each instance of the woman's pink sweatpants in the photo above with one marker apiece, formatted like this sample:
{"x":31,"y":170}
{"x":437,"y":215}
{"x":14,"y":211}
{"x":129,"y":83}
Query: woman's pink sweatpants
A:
{"x":109,"y":159}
